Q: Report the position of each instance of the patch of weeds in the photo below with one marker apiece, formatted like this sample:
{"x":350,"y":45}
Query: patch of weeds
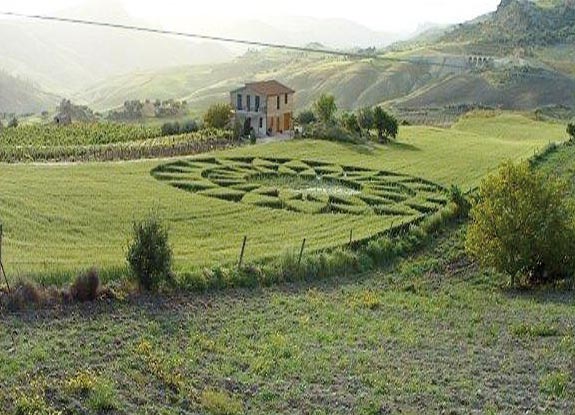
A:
{"x":101,"y":393}
{"x":162,"y":367}
{"x":220,"y":403}
{"x":33,"y":405}
{"x":367,"y":299}
{"x":104,"y":396}
{"x":83,"y":382}
{"x":33,"y":402}
{"x":555,"y":384}
{"x":538,"y":330}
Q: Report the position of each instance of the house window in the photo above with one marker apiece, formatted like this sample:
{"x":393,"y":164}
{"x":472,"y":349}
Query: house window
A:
{"x":239,"y":103}
{"x":258,"y":104}
{"x":261,"y":122}
{"x":249,"y":102}
{"x":278,"y":101}
{"x":286,"y":99}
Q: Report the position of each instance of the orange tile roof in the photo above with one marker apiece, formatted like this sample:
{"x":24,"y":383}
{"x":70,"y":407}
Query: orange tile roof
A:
{"x":269,"y":88}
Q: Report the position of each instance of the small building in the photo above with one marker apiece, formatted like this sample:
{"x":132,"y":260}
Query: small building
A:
{"x":266,"y":108}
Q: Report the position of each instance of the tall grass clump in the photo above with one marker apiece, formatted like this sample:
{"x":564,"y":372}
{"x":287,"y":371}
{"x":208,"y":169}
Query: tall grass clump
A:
{"x":149,"y":253}
{"x":86,"y":286}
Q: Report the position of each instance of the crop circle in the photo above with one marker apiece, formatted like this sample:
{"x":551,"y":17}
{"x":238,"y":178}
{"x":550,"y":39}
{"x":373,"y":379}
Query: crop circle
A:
{"x":304,"y":186}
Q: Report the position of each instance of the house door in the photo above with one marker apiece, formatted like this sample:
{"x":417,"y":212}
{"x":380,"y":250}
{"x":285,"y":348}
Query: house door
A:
{"x":287,"y":121}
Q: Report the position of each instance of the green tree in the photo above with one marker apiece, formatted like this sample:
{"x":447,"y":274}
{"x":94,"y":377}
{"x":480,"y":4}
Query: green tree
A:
{"x":349,"y":122}
{"x":325,"y":108}
{"x":306,"y":117}
{"x":521,"y":225}
{"x":385,"y":123}
{"x":218,"y":116}
{"x":365,"y":119}
{"x":571,"y":131}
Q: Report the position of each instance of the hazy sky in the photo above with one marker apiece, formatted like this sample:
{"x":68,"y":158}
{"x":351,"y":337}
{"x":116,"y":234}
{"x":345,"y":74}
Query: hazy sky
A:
{"x":382,"y":15}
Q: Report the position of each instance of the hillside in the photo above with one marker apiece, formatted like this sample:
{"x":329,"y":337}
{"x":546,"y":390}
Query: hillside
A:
{"x":526,"y":69}
{"x":18,"y":96}
{"x":519,"y":25}
{"x":67,"y":57}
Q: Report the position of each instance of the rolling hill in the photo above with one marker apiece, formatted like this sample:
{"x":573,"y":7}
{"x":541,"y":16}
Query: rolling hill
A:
{"x":18,"y":96}
{"x":527,"y":45}
{"x":65,"y":57}
{"x":523,"y":70}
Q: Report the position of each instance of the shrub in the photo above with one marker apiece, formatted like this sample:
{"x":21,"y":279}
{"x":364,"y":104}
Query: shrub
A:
{"x":306,"y":117}
{"x":218,"y":116}
{"x":365,"y":119}
{"x":329,"y":132}
{"x":86,"y":286}
{"x":149,"y":253}
{"x":170,"y":128}
{"x":457,"y":197}
{"x":571,"y":131}
{"x":522,"y":226}
{"x":325,"y":108}
{"x":13,"y":123}
{"x":350,"y":123}
{"x":189,"y":126}
{"x":24,"y":295}
{"x":385,"y":123}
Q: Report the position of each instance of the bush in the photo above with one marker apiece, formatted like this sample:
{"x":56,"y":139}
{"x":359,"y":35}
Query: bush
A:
{"x":571,"y":131}
{"x":86,"y":286}
{"x":170,"y":128}
{"x":329,"y":132}
{"x":149,"y":254}
{"x":522,"y":226}
{"x":458,"y":198}
{"x":24,"y":295}
{"x":13,"y":123}
{"x":189,"y":126}
{"x":218,"y":116}
{"x":306,"y":117}
{"x":325,"y":108}
{"x":385,"y":123}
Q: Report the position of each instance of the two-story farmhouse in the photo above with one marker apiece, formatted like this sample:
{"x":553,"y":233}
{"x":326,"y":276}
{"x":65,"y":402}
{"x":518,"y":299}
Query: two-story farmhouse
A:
{"x":266,"y":107}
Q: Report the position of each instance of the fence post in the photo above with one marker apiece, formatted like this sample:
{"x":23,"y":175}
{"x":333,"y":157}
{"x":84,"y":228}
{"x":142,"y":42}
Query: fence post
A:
{"x":301,"y":252}
{"x":1,"y":264}
{"x":350,"y":236}
{"x":242,"y":252}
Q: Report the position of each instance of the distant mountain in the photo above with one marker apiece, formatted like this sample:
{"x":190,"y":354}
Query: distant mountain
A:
{"x":66,"y":57}
{"x":293,"y":30}
{"x":522,"y":56}
{"x":519,"y":24}
{"x":18,"y":96}
{"x":519,"y":68}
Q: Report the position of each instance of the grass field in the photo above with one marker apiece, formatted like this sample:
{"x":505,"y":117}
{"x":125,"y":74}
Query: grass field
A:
{"x":60,"y":218}
{"x":433,"y":334}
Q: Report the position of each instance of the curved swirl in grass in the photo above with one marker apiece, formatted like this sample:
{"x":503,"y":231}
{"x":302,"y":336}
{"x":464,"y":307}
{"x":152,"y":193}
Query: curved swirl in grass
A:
{"x":304,"y":186}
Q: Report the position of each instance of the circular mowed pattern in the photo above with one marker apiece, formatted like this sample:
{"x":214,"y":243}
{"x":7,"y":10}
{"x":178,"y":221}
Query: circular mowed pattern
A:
{"x":304,"y":186}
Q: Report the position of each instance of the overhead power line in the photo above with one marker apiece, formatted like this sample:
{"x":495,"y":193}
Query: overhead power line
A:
{"x":442,"y":63}
{"x":231,"y":40}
